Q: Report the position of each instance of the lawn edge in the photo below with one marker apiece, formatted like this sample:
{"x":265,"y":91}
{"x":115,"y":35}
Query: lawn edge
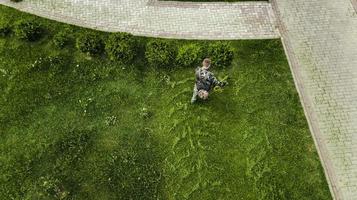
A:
{"x":306,"y":103}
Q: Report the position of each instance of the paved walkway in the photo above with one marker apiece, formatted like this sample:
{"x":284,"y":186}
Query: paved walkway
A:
{"x":247,"y":20}
{"x":320,"y":37}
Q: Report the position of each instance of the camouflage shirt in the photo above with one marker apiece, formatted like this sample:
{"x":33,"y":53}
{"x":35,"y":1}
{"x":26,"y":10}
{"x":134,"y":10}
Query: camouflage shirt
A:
{"x":205,"y":80}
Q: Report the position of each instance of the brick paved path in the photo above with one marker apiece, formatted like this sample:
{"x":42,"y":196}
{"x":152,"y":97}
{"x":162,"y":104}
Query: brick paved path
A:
{"x":248,"y":20}
{"x":320,"y":37}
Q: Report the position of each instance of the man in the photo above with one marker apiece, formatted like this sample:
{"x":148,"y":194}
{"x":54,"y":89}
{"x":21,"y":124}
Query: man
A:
{"x":205,"y":81}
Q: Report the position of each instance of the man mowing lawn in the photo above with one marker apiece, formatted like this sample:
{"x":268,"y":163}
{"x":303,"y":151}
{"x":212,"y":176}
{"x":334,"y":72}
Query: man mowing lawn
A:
{"x":118,"y":125}
{"x":205,"y":81}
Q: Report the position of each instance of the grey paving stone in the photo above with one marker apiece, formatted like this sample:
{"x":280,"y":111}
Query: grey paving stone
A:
{"x":185,"y":20}
{"x":320,"y":38}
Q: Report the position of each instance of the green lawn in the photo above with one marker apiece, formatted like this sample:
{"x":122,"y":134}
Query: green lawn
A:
{"x":89,"y":128}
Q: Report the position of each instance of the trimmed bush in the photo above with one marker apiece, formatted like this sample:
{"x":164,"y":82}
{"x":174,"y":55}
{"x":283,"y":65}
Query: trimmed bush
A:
{"x":160,"y":53}
{"x":90,"y":43}
{"x":61,"y":39}
{"x":28,"y":30}
{"x":5,"y":29}
{"x":221,"y":54}
{"x":121,"y":47}
{"x":189,"y":55}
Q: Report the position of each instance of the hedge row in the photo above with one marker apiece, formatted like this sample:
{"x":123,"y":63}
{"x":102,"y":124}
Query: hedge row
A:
{"x":23,"y":29}
{"x":124,"y":47}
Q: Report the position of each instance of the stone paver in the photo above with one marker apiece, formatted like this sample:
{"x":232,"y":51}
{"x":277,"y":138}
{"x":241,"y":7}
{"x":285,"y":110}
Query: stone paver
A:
{"x":246,"y":20}
{"x":320,"y":38}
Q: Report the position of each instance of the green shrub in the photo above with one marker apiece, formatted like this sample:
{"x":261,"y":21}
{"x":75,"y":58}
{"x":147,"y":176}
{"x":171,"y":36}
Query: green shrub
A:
{"x":221,"y":54}
{"x":5,"y":29}
{"x":90,"y":43}
{"x":189,"y":55}
{"x":16,"y":0}
{"x":121,"y":47}
{"x":61,"y":39}
{"x":160,"y":53}
{"x":29,"y":30}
